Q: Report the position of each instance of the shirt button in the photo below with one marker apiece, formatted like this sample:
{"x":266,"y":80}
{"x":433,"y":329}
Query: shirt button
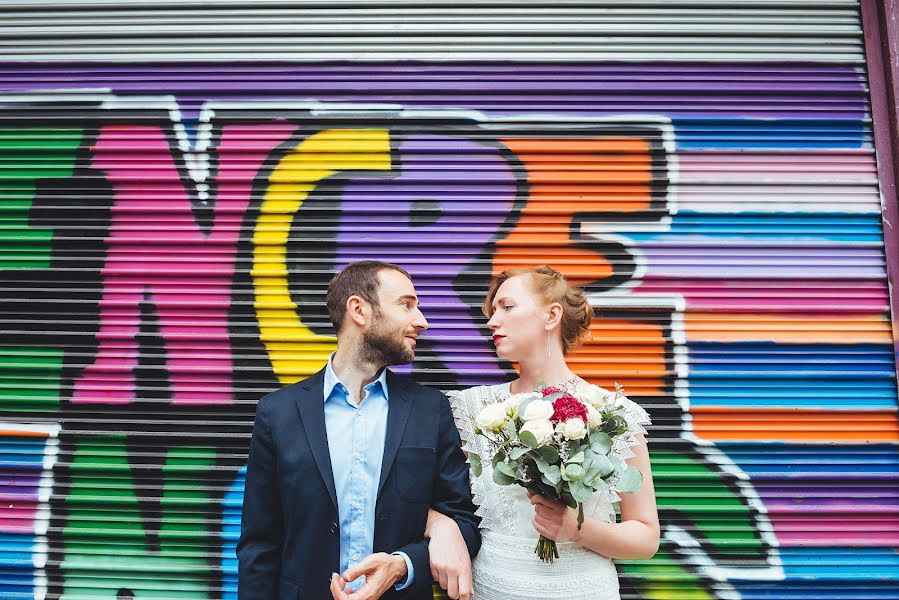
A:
{"x":358,"y":506}
{"x":355,"y":556}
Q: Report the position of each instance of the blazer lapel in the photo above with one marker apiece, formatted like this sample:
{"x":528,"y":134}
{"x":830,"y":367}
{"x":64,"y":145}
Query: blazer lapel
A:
{"x":399,"y":407}
{"x":311,"y":404}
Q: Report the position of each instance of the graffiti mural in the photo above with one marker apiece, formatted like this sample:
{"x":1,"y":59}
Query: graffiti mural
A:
{"x":162,"y":268}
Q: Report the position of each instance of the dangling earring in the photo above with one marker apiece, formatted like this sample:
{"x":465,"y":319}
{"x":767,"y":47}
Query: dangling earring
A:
{"x":548,"y":350}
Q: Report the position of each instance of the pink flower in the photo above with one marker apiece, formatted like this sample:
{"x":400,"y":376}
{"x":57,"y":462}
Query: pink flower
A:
{"x":550,"y":389}
{"x":568,"y":407}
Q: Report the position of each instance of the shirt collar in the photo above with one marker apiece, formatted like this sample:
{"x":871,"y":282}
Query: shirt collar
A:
{"x":331,"y":380}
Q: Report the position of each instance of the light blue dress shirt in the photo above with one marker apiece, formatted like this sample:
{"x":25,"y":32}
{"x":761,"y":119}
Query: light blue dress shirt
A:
{"x":356,"y":435}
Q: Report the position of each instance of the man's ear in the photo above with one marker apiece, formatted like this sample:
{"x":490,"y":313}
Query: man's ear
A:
{"x":356,"y":310}
{"x":553,"y":316}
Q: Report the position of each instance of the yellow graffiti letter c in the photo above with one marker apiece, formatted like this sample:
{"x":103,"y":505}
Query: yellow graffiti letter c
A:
{"x":293,"y":349}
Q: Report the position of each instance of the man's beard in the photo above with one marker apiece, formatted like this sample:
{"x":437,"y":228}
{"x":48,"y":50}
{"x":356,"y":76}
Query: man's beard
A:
{"x":383,"y":347}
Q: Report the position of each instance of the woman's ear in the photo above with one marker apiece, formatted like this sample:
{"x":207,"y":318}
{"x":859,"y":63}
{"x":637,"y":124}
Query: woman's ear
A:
{"x":553,"y":316}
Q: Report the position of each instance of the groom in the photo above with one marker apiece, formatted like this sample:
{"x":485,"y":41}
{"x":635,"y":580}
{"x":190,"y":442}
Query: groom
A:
{"x":344,"y":465}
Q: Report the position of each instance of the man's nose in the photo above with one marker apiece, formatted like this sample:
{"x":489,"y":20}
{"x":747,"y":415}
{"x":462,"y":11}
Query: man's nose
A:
{"x":420,"y":322}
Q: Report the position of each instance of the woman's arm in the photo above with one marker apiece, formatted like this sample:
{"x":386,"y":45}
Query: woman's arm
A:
{"x":636,"y":536}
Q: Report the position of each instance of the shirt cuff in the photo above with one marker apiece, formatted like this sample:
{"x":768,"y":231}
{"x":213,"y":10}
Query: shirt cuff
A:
{"x":410,"y":572}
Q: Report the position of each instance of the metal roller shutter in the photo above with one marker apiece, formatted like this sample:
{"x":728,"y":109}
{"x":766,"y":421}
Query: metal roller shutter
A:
{"x":178,"y":182}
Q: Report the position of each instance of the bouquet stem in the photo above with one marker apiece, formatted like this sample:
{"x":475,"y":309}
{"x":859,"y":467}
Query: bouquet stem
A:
{"x":546,"y":549}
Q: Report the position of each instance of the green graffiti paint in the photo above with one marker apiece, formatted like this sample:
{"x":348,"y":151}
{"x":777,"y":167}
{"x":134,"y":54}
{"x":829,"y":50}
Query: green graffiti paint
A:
{"x":29,"y":376}
{"x":664,"y":578}
{"x":111,"y":545}
{"x":26,"y":156}
{"x":697,"y":496}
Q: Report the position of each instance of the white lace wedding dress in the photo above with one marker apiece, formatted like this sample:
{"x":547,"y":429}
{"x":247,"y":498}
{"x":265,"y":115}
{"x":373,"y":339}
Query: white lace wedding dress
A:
{"x":506,"y":567}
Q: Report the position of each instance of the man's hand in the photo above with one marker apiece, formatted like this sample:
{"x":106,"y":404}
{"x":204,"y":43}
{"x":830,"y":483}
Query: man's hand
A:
{"x":382,"y":571}
{"x":450,"y":563}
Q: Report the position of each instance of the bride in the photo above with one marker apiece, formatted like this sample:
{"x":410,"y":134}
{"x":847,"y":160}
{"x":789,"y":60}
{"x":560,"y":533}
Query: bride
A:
{"x":536,"y":318}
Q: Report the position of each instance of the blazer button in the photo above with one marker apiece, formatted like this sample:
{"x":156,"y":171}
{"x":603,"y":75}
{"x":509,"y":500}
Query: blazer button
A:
{"x":334,"y":528}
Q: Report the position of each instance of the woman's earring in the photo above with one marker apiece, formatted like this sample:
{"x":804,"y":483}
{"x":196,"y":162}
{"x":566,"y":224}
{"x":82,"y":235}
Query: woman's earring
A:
{"x":547,"y":345}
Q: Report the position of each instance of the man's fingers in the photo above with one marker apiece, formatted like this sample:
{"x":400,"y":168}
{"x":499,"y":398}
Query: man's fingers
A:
{"x":452,"y":589}
{"x":337,"y":587}
{"x":465,"y":586}
{"x":359,"y":569}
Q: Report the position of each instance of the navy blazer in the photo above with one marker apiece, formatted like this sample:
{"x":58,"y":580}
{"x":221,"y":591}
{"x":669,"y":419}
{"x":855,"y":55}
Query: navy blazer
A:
{"x":289,"y":532}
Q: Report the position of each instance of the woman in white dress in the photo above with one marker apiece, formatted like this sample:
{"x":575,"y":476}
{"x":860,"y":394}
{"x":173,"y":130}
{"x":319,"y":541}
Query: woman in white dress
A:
{"x":536,"y":317}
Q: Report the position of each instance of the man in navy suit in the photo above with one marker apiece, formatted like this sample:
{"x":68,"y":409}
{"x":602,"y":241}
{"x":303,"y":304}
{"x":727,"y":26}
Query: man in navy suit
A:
{"x":344,"y":465}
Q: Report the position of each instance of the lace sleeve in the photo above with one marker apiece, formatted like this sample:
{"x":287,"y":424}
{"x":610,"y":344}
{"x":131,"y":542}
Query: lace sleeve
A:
{"x":637,"y":420}
{"x":465,"y":406}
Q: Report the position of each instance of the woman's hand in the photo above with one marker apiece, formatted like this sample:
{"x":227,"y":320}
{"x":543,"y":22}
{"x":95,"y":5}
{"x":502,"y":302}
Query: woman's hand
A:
{"x":554,"y":520}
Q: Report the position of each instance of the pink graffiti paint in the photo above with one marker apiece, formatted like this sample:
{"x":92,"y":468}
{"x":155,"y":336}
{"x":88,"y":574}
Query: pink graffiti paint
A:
{"x":184,"y":272}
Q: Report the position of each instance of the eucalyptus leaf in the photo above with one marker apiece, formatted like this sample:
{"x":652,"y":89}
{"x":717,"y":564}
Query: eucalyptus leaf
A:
{"x":617,"y":463}
{"x":542,"y":465}
{"x":600,"y":442}
{"x":580,"y":492}
{"x":602,"y":466}
{"x":510,"y":429}
{"x":549,"y":454}
{"x":600,"y":485}
{"x":630,"y":481}
{"x":573,"y":472}
{"x":517,"y":453}
{"x":576,"y":459}
{"x":506,"y":469}
{"x":499,"y":457}
{"x":475,"y":461}
{"x":528,"y":439}
{"x":553,"y":474}
{"x":501,"y":478}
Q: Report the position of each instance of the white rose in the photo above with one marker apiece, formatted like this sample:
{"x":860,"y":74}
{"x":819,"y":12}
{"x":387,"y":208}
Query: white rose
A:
{"x":594,"y":419}
{"x":541,"y":429}
{"x":572,"y":429}
{"x":538,"y":410}
{"x":597,"y":396}
{"x":491,"y":416}
{"x":515,"y":399}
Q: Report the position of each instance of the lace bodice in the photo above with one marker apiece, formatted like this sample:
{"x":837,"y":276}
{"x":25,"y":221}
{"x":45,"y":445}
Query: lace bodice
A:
{"x":506,"y":567}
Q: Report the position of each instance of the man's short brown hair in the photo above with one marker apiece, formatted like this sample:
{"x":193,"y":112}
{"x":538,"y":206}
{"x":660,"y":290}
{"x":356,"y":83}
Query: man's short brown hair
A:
{"x":358,"y":278}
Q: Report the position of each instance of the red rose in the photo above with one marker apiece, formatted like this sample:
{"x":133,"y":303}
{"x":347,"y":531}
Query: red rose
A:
{"x":550,"y":389}
{"x":568,"y":407}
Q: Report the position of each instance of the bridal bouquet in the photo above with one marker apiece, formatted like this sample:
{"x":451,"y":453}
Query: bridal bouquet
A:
{"x":557,"y":444}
